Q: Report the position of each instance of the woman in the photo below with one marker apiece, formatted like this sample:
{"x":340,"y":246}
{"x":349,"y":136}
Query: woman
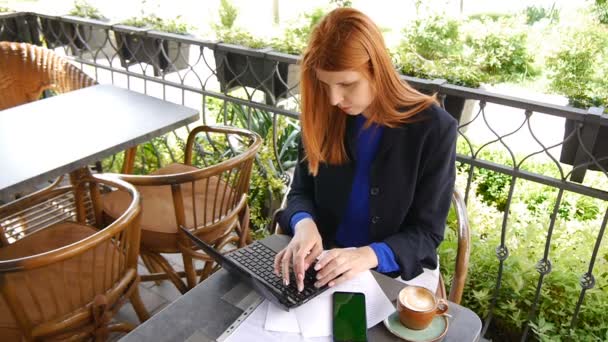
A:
{"x":376,"y":166}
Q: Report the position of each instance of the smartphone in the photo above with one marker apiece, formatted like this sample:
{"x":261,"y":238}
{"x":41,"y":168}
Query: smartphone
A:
{"x":349,"y":317}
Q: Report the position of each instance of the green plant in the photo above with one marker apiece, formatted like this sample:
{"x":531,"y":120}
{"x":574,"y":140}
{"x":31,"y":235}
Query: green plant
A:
{"x":489,"y":16}
{"x":537,"y":13}
{"x":227,"y":32}
{"x":576,"y":229}
{"x":341,"y":3}
{"x":295,"y":37}
{"x":228,"y":14}
{"x":433,"y":38}
{"x":84,"y":9}
{"x":267,"y":181}
{"x":432,"y":48}
{"x":600,"y":8}
{"x":454,"y":70}
{"x":500,"y":49}
{"x":152,"y":21}
{"x":579,"y":69}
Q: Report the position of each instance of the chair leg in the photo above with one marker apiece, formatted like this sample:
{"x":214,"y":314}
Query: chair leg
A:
{"x":207,"y":270}
{"x":152,"y":268}
{"x":171,"y":274}
{"x":190,"y":270}
{"x":138,"y":305}
{"x":243,"y":230}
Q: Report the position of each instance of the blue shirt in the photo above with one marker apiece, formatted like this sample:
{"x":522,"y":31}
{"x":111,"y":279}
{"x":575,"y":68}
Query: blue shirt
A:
{"x":353,"y":230}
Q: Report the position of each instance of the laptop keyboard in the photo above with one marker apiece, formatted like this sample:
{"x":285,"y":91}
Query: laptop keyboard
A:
{"x":259,"y":258}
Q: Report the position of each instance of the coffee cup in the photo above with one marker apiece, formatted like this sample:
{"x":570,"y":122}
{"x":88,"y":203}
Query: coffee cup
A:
{"x":418,"y":306}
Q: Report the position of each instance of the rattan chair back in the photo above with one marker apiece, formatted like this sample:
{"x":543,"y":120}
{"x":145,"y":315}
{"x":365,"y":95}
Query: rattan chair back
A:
{"x":61,"y":275}
{"x":27,"y":70}
{"x":206,"y":194}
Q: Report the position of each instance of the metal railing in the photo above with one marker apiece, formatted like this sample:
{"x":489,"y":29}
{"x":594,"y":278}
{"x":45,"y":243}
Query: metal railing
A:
{"x":237,"y":86}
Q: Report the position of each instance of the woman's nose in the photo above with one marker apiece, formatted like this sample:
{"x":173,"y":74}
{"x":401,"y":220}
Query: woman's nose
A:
{"x":335,"y":97}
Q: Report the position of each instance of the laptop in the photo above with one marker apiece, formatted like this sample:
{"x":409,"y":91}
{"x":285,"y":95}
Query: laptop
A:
{"x":254,"y":264}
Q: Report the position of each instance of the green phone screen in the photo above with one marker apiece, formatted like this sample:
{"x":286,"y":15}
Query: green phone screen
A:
{"x":349,"y":320}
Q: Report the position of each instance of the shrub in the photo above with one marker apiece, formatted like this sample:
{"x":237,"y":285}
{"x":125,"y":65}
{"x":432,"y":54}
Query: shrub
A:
{"x":537,"y":13}
{"x":154,"y":22}
{"x":574,"y":236}
{"x":268,"y":184}
{"x":431,"y":48}
{"x":295,"y":37}
{"x":600,"y":9}
{"x":500,"y":50}
{"x":84,"y":9}
{"x":227,"y":32}
{"x":433,"y":38}
{"x":579,"y":69}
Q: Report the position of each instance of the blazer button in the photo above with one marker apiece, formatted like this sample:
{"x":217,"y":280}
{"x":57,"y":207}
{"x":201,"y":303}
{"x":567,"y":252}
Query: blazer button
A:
{"x":375,"y":219}
{"x":374,"y":191}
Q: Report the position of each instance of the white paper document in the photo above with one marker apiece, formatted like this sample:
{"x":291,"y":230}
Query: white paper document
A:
{"x":313,"y":320}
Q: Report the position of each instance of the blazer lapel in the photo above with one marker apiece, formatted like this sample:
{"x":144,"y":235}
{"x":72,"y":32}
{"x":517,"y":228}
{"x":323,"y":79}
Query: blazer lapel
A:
{"x":390,"y":136}
{"x":350,"y":139}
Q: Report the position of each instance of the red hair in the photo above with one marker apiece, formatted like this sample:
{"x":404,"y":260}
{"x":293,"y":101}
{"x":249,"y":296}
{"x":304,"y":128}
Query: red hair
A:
{"x":346,"y":39}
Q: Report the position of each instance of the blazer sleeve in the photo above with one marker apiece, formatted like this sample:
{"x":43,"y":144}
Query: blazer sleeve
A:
{"x":301,"y":195}
{"x":415,"y":245}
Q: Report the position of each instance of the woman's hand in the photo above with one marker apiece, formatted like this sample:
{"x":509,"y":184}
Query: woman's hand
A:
{"x":302,"y":250}
{"x":341,"y":264}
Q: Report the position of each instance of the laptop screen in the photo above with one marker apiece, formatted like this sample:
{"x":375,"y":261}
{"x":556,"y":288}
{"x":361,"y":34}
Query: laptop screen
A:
{"x":236,"y":269}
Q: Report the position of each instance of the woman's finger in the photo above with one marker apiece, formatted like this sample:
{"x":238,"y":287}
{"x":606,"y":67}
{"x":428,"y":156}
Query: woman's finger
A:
{"x":346,"y":276}
{"x":317,"y":249}
{"x":326,"y":258}
{"x":277,"y":262}
{"x":333,"y":270}
{"x":285,"y":265}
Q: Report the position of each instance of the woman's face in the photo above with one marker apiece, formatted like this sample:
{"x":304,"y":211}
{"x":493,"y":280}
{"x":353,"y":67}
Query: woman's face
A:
{"x":348,"y":90}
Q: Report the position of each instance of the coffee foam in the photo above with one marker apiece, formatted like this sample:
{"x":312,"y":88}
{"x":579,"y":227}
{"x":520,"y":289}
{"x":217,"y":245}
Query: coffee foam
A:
{"x":417,"y":299}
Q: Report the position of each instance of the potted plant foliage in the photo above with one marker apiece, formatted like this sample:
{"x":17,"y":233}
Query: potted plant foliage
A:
{"x":241,"y":60}
{"x":268,"y":181}
{"x":580,"y":72}
{"x":82,"y":29}
{"x":18,"y":27}
{"x":432,"y":49}
{"x":90,"y":29}
{"x":293,"y":41}
{"x":147,"y":39}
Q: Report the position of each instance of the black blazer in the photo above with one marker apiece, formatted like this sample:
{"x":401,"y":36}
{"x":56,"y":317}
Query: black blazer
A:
{"x":412,"y":180}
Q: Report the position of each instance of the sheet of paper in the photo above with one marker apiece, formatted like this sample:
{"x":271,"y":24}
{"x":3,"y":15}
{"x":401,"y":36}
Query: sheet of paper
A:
{"x":314,"y":319}
{"x":252,"y":329}
{"x":278,"y":319}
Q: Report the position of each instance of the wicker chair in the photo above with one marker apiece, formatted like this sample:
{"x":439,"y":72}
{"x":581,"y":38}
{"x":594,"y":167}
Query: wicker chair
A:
{"x":27,"y":70}
{"x":462,"y":254}
{"x":60,"y":276}
{"x":211,"y":201}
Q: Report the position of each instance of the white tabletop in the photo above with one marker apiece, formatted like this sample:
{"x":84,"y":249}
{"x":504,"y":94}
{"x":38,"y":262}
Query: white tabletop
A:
{"x":44,"y":139}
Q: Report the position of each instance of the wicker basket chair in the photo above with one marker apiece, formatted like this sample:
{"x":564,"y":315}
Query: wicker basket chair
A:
{"x":62,"y":278}
{"x":27,"y":70}
{"x":209,"y":200}
{"x":463,"y":252}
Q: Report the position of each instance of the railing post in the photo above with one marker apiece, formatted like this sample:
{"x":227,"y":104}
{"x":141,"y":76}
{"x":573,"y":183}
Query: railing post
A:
{"x":589,"y":132}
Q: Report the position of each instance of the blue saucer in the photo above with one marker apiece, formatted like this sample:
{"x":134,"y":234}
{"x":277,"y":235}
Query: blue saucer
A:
{"x":434,"y":332}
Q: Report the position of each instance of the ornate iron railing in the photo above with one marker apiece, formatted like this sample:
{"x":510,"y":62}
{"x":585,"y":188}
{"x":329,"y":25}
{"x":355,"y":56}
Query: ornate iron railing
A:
{"x":257,"y":89}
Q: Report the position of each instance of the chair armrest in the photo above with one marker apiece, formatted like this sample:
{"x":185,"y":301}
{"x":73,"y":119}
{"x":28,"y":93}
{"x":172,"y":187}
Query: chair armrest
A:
{"x":464,"y":248}
{"x":275,"y":227}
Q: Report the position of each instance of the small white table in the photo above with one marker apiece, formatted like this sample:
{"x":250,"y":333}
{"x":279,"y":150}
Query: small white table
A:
{"x":45,"y":139}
